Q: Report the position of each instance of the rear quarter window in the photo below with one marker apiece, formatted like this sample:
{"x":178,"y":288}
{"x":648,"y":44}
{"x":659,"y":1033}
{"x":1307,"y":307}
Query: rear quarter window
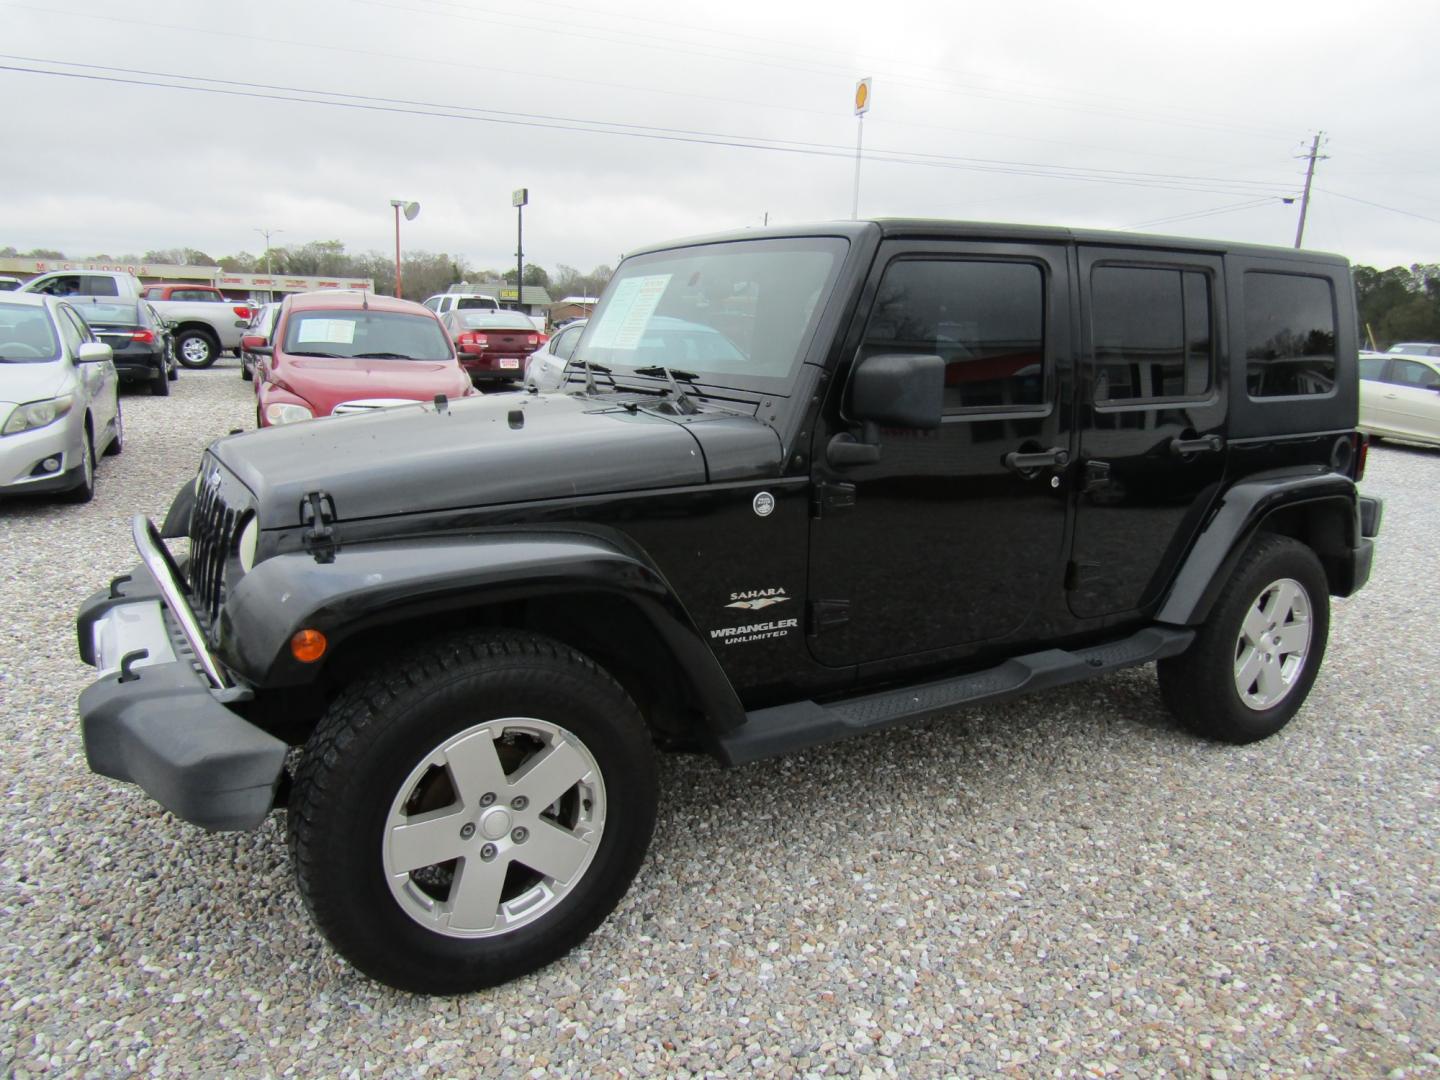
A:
{"x":1289,"y":335}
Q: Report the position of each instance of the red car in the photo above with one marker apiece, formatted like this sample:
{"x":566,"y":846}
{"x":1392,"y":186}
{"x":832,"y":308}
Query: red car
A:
{"x":340,"y":352}
{"x":494,"y":346}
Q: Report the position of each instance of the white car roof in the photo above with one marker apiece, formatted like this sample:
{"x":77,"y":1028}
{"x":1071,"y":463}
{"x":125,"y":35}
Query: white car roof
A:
{"x":26,"y":299}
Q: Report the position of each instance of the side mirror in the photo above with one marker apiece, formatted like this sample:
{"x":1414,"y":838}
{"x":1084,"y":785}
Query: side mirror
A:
{"x":258,"y":344}
{"x":890,"y":390}
{"x":92,"y":352}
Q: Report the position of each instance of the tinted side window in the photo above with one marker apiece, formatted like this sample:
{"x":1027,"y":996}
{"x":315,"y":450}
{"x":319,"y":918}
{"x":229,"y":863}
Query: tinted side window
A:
{"x":1372,"y":367}
{"x":1289,"y":335}
{"x":73,"y":330}
{"x":1410,"y":373}
{"x":1151,"y":333}
{"x":100,"y":286}
{"x":985,"y":319}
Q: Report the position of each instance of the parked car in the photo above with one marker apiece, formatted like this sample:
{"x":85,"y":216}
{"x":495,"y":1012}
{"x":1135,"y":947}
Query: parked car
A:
{"x":546,"y":367}
{"x":59,"y":399}
{"x":8,"y":283}
{"x":340,"y":352}
{"x":1400,"y":397}
{"x":262,"y":324}
{"x":202,"y":328}
{"x":176,"y":291}
{"x":1416,"y":348}
{"x":912,"y":466}
{"x":140,"y":342}
{"x":493,"y":345}
{"x":444,"y":303}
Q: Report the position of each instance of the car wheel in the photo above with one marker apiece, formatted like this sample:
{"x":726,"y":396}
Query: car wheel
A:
{"x":195,"y":349}
{"x":1253,"y":662}
{"x":160,"y":382}
{"x":245,"y":372}
{"x":117,"y":441}
{"x":471,"y":812}
{"x":86,"y":489}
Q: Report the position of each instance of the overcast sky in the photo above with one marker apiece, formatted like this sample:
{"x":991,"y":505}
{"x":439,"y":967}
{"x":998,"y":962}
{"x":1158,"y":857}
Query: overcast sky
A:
{"x":1135,"y":115}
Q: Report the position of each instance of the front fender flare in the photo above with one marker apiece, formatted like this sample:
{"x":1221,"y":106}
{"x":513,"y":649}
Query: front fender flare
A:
{"x":375,"y":584}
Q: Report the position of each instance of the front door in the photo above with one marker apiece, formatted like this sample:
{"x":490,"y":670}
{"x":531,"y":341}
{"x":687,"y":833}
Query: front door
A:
{"x":949,"y":540}
{"x":1152,"y":422}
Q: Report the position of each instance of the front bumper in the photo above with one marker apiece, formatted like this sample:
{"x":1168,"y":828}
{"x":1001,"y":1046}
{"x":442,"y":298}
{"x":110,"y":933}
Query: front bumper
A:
{"x":21,"y":455}
{"x":154,"y":717}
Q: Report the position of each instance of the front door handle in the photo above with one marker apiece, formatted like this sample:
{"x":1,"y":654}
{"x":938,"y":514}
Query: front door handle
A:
{"x":1028,"y":461}
{"x":1205,"y":444}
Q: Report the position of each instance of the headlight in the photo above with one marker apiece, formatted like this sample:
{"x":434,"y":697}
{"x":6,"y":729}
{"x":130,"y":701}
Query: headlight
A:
{"x":282,"y":412}
{"x":37,"y":414}
{"x":249,"y":538}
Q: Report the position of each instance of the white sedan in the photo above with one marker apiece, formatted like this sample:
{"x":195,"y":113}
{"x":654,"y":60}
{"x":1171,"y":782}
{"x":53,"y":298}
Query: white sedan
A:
{"x":1400,"y":397}
{"x":59,"y":399}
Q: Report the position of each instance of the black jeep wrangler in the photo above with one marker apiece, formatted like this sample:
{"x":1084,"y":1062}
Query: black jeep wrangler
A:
{"x":802,"y":484}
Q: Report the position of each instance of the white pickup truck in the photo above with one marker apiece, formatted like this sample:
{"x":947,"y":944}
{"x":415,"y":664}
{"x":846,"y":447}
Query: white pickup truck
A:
{"x":202,"y":328}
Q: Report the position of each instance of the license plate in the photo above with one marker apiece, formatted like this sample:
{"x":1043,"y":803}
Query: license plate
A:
{"x":510,"y":363}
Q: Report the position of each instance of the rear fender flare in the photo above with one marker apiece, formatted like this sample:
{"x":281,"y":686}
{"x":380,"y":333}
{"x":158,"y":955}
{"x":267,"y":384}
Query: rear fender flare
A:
{"x":1242,"y":513}
{"x":375,"y":584}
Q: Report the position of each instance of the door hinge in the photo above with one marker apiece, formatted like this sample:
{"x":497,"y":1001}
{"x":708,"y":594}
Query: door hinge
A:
{"x":828,"y":614}
{"x":828,"y":498}
{"x":317,"y":510}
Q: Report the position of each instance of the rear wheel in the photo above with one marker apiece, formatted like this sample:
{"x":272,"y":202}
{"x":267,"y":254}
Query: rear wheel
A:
{"x":472,"y":812}
{"x":1253,"y":662}
{"x":196,"y":349}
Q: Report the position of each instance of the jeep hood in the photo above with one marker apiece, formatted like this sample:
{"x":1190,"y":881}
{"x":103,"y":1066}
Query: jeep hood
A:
{"x":489,"y":450}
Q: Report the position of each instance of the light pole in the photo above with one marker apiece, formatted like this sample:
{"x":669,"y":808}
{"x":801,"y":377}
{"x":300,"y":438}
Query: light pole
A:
{"x":518,"y":198}
{"x":411,"y":210}
{"x":267,"y":233}
{"x":862,"y":106}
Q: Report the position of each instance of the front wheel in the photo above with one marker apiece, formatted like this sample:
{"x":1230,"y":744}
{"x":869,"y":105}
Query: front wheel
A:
{"x":195,"y":349}
{"x":1253,"y":662}
{"x":472,"y":812}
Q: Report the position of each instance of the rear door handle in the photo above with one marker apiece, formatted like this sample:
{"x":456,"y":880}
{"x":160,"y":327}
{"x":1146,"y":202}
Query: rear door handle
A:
{"x":1205,"y":444}
{"x":1039,"y":459}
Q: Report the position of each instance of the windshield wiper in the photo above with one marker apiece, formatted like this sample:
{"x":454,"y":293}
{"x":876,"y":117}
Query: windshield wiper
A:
{"x":682,"y":397}
{"x":589,"y":370}
{"x":327,"y":355}
{"x":383,"y":356}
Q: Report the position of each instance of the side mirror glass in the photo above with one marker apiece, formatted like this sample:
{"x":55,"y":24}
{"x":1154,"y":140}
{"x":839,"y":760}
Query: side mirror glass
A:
{"x":898,"y":390}
{"x":258,"y":344}
{"x":92,"y":352}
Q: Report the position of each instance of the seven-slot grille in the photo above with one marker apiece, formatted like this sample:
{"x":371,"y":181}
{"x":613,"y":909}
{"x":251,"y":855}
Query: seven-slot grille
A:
{"x":214,"y":526}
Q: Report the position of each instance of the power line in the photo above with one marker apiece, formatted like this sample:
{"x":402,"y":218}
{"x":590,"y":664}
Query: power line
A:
{"x":1379,"y":206}
{"x":427,"y":108}
{"x":1229,"y":208}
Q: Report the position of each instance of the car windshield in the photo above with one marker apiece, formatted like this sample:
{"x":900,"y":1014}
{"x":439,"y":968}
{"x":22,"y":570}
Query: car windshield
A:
{"x":386,"y":335}
{"x":479,"y":320}
{"x":26,"y":335}
{"x":109,"y":314}
{"x":739,"y":314}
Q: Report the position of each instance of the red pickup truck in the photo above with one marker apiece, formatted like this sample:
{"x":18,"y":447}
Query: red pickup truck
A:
{"x":182,"y":292}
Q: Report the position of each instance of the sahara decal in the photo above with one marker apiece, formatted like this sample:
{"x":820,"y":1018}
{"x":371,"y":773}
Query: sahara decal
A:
{"x":756,"y":599}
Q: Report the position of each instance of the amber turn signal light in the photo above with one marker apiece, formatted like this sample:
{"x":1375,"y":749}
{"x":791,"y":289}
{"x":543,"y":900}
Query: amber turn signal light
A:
{"x":307,"y":646}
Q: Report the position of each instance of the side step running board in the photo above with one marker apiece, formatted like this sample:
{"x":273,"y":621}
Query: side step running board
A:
{"x":785,"y":728}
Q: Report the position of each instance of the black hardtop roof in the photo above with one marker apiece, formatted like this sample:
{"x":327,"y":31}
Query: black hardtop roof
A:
{"x":940,"y":229}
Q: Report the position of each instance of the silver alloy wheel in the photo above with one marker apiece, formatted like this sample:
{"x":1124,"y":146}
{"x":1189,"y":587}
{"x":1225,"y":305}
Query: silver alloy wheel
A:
{"x":195,"y":350}
{"x":494,"y":827}
{"x":1273,"y":644}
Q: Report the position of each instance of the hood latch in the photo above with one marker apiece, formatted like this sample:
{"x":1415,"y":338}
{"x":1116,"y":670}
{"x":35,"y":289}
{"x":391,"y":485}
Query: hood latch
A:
{"x":317,"y":510}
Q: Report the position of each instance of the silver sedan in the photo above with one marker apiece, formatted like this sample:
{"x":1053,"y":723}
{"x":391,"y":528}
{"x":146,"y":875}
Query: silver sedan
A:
{"x":59,"y":399}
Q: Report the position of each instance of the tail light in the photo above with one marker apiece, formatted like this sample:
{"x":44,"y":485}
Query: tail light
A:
{"x":534,"y":340}
{"x":145,"y":337}
{"x":543,"y":339}
{"x":1362,"y":451}
{"x":242,"y":311}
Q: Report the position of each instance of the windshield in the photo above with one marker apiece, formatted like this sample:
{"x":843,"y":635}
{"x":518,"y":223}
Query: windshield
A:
{"x":26,"y":335}
{"x":739,"y":313}
{"x":479,"y":320}
{"x":109,"y":314}
{"x":383,"y":335}
{"x":489,"y":303}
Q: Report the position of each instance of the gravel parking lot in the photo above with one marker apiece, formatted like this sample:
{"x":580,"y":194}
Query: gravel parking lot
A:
{"x":1067,"y":885}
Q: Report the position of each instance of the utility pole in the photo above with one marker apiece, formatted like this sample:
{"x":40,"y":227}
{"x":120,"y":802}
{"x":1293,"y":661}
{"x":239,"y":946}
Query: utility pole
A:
{"x":1314,"y":156}
{"x":519,"y":197}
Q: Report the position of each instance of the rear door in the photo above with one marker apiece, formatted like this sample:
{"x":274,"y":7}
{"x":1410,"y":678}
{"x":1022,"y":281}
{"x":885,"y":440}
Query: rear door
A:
{"x":945,"y":541}
{"x":1152,"y":411}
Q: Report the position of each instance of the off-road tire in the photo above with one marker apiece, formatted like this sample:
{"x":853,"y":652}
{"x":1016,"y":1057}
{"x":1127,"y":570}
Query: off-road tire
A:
{"x":381,"y":728}
{"x":1200,"y":685}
